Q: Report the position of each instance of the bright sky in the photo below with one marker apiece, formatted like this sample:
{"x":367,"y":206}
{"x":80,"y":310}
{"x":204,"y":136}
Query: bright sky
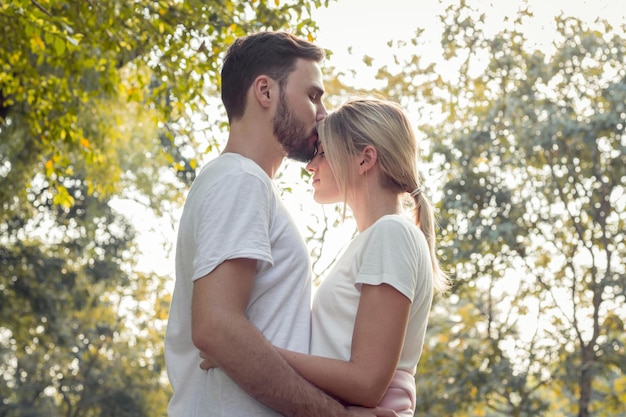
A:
{"x":366,"y":26}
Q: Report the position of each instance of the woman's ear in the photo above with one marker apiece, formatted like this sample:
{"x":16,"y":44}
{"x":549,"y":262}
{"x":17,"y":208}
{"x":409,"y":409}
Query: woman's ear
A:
{"x":369,"y":156}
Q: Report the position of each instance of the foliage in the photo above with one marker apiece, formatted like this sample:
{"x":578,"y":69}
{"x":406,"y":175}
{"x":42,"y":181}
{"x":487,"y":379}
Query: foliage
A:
{"x":66,"y":348}
{"x":100,"y":102}
{"x":62,"y":61}
{"x":532,"y":153}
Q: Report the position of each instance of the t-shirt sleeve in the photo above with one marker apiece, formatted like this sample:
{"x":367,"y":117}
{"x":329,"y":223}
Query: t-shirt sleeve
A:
{"x":233,"y":222}
{"x":390,"y":257}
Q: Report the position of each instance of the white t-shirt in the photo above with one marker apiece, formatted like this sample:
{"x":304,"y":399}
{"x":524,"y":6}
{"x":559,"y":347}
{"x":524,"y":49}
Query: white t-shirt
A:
{"x":393,"y":251}
{"x":233,"y":210}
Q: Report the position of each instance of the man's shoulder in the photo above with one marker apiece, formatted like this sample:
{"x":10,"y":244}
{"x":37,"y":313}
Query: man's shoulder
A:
{"x":234,"y":166}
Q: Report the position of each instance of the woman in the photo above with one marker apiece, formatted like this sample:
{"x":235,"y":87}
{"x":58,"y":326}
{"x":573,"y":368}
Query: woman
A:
{"x":370,"y":314}
{"x":371,"y":311}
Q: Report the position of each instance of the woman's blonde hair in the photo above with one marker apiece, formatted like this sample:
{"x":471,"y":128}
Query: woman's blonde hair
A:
{"x":384,"y":125}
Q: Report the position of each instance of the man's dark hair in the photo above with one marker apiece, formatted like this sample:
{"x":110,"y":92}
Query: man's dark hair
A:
{"x":270,"y":53}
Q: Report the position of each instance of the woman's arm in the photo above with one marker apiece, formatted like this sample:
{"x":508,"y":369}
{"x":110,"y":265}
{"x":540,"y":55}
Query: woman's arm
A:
{"x":377,"y":341}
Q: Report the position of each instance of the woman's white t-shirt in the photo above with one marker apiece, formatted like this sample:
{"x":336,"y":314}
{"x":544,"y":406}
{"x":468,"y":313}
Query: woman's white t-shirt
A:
{"x":393,"y":251}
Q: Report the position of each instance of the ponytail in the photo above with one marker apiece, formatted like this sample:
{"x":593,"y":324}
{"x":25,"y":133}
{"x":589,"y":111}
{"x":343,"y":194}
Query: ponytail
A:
{"x":425,"y":220}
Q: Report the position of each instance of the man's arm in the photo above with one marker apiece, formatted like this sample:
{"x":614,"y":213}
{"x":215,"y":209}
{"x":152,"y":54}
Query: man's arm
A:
{"x":222,"y":332}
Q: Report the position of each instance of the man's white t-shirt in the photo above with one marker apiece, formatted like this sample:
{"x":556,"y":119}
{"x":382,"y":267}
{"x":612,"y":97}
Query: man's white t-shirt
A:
{"x":393,"y":251}
{"x":233,"y":210}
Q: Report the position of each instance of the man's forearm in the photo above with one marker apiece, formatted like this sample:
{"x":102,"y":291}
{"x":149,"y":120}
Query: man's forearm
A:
{"x":252,"y":362}
{"x":221,"y":329}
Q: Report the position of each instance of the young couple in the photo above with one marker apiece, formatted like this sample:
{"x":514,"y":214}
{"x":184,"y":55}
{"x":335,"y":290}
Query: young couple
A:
{"x":243,"y":277}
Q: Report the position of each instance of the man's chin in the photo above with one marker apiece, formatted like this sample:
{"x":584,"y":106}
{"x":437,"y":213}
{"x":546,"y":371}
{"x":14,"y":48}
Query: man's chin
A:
{"x":302,"y":154}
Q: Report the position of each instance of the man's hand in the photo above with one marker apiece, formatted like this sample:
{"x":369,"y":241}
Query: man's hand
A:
{"x":371,"y":412}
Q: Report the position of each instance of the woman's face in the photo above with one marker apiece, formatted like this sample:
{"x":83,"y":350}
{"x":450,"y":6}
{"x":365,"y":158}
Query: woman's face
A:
{"x":325,"y":188}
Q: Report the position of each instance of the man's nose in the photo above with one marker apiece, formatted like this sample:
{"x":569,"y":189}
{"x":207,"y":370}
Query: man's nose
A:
{"x":321,"y":113}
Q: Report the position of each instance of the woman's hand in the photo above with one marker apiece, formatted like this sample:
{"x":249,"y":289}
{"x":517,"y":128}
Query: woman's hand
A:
{"x":206,"y":362}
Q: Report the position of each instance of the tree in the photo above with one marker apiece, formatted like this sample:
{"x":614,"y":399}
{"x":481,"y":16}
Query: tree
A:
{"x":530,"y":147}
{"x":66,"y":346}
{"x":100,"y":101}
{"x":61,"y":61}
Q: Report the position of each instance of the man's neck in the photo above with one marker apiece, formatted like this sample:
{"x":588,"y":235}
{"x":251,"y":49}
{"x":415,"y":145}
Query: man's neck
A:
{"x":265,"y":151}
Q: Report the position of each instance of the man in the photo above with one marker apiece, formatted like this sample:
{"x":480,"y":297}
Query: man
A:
{"x":242,"y":269}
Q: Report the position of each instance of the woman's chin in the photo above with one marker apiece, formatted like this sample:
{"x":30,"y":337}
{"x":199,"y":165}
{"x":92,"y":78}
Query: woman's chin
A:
{"x":324,"y":199}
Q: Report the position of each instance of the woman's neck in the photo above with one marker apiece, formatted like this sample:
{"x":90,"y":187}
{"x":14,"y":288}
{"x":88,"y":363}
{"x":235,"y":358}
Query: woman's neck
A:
{"x":370,"y":205}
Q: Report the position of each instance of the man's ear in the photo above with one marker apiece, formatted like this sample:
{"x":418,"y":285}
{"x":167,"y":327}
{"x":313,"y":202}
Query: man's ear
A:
{"x":262,"y":88}
{"x":369,"y":156}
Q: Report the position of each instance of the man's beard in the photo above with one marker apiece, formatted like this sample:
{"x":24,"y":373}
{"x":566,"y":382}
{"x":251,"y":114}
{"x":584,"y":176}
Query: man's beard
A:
{"x":292,"y":134}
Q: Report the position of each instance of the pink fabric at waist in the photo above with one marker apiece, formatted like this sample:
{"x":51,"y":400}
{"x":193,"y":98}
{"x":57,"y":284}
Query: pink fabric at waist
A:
{"x":400,"y":396}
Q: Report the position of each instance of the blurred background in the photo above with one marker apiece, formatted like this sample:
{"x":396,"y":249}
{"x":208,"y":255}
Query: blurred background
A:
{"x":108,"y":109}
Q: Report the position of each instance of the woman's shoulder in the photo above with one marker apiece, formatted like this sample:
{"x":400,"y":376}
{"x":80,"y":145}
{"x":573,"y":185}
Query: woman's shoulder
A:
{"x":396,"y":227}
{"x":394,"y":221}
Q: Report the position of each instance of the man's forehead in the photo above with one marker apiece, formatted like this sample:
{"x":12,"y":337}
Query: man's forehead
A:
{"x":307,"y":72}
